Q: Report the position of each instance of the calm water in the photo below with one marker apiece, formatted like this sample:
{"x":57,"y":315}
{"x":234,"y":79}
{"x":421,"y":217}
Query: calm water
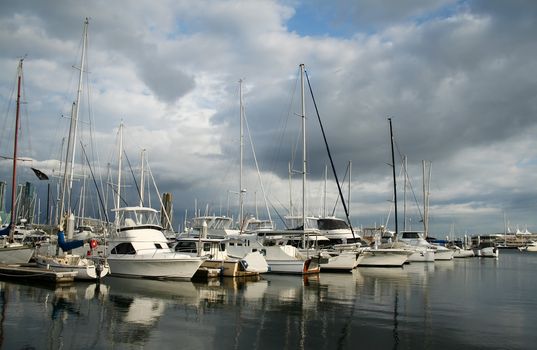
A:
{"x":463,"y":304}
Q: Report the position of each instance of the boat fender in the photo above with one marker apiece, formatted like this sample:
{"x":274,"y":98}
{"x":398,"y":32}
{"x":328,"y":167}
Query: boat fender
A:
{"x":93,"y":244}
{"x":244,"y":264}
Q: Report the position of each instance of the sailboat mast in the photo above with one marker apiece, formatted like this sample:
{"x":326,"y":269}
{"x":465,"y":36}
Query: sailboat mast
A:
{"x":304,"y":165}
{"x":120,"y":133}
{"x":394,"y":179}
{"x":241,"y":191}
{"x":404,"y":191}
{"x":142,"y":180}
{"x":426,"y":192}
{"x":15,"y":147}
{"x":324,"y":192}
{"x":78,"y":94}
{"x":350,"y":183}
{"x":71,"y":143}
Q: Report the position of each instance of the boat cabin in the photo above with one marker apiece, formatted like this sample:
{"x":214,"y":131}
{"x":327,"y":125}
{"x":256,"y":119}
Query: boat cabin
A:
{"x":130,"y":218}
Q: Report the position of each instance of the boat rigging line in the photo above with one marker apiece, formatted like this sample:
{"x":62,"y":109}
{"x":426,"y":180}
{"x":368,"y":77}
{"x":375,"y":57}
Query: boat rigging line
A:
{"x":330,"y":156}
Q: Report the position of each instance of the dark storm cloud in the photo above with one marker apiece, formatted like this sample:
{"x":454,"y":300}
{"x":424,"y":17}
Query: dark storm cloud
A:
{"x":455,"y":76}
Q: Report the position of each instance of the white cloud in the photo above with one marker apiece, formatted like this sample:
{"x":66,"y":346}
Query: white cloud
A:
{"x":456,"y":78}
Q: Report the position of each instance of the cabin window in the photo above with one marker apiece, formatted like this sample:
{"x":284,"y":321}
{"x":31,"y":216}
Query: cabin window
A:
{"x":186,"y":247}
{"x":206,"y":247}
{"x":158,"y":246}
{"x":222,"y":247}
{"x":123,"y":248}
{"x":231,"y":244}
{"x":410,"y":235}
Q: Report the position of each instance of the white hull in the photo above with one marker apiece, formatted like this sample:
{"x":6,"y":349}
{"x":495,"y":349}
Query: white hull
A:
{"x":340,"y":262}
{"x":463,"y":253}
{"x":444,"y":254}
{"x":299,"y":267}
{"x":528,"y":248}
{"x":422,"y":256}
{"x":489,"y":252}
{"x":86,"y":269}
{"x":256,"y":262}
{"x":229,"y":267}
{"x":384,"y":257}
{"x":16,"y":254}
{"x":148,"y":267}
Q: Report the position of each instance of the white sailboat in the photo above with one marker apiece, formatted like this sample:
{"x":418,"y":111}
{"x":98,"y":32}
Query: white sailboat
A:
{"x":389,"y":254}
{"x":12,"y":252}
{"x":281,"y":258}
{"x":86,"y":268}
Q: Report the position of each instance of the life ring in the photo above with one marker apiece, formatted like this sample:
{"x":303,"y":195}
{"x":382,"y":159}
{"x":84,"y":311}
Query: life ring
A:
{"x":93,"y":244}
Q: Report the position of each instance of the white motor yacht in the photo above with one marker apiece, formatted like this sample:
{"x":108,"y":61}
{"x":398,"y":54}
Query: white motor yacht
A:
{"x":217,"y":257}
{"x":415,"y":239}
{"x":280,"y":256}
{"x":138,"y":248}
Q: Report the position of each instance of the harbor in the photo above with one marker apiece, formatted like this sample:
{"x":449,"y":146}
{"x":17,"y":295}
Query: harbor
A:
{"x":268,"y":174}
{"x":464,"y":303}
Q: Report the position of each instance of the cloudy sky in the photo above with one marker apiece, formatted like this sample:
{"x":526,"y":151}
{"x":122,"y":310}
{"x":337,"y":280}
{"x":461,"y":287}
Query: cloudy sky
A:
{"x":458,"y":79}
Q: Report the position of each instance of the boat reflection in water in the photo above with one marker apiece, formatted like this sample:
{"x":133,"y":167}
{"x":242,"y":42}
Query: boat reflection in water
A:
{"x":418,"y":306}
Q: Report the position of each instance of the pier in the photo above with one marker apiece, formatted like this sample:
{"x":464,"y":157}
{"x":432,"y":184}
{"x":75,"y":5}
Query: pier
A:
{"x":29,"y":272}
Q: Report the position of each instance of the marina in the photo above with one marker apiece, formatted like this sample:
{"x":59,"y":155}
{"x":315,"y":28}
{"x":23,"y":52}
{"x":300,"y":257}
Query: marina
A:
{"x":141,"y":208}
{"x":471,"y":303}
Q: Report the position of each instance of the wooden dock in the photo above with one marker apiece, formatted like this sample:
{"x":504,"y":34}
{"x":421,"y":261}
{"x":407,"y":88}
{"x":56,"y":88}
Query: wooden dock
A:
{"x":29,"y":273}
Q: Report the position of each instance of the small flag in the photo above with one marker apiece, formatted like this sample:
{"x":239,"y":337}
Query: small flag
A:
{"x":41,"y":175}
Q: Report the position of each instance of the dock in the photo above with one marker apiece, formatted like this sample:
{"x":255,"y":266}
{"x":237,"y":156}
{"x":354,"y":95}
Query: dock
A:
{"x":29,"y":272}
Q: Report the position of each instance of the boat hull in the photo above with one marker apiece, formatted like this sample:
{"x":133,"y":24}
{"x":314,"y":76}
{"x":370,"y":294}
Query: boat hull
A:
{"x":424,"y":255}
{"x":463,"y":253}
{"x":85,"y":269}
{"x":488,"y":252}
{"x":229,"y":268}
{"x":16,"y":254}
{"x":297,"y":267}
{"x":345,"y":261}
{"x":147,"y":267}
{"x":384,"y":257}
{"x":444,"y":254}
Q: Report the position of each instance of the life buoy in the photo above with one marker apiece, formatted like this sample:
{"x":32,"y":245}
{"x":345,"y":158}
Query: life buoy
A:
{"x":93,"y":244}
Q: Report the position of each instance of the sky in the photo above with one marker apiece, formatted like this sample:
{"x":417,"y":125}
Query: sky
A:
{"x":457,"y":78}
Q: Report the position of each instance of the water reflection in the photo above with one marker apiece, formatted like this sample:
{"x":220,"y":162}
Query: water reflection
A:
{"x":418,"y":306}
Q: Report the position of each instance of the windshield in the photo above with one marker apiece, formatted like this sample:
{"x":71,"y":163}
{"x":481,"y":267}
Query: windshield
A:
{"x":132,"y":218}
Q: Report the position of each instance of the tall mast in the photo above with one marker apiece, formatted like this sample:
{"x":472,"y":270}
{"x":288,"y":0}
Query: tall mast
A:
{"x":394,"y":179}
{"x":350,"y":182}
{"x":324,"y":192}
{"x":142,"y":179}
{"x":15,"y":147}
{"x":291,"y":211}
{"x":120,"y":153}
{"x":303,"y":113}
{"x":241,"y":191}
{"x":426,"y":190}
{"x":71,"y":143}
{"x":404,"y":191}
